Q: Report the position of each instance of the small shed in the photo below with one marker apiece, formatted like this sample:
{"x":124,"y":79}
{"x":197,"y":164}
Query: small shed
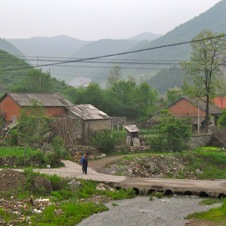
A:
{"x":132,"y":138}
{"x":82,"y":122}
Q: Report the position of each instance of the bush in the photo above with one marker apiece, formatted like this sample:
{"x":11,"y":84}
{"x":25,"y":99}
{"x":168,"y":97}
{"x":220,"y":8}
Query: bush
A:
{"x":105,"y":141}
{"x":172,"y":134}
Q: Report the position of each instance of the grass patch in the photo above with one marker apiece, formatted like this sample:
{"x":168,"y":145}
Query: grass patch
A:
{"x":215,"y":214}
{"x":210,"y":201}
{"x":17,"y":151}
{"x":68,"y":214}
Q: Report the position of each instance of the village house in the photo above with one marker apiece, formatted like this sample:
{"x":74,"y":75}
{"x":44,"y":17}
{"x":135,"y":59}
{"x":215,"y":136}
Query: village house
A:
{"x":12,"y":104}
{"x":194,"y":109}
{"x":75,"y":123}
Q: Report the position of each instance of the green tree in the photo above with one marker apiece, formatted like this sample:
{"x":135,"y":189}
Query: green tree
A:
{"x":92,"y":94}
{"x":172,"y":134}
{"x":32,"y":126}
{"x":173,"y":94}
{"x":145,"y":99}
{"x":222,"y":119}
{"x":115,"y":74}
{"x":36,"y":82}
{"x":204,"y":78}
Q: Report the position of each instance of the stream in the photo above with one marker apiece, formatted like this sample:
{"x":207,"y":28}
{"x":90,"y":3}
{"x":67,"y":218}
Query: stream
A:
{"x":141,"y":211}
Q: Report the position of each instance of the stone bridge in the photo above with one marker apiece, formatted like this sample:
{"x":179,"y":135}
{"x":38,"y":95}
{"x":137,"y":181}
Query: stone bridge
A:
{"x":145,"y":186}
{"x":202,"y":188}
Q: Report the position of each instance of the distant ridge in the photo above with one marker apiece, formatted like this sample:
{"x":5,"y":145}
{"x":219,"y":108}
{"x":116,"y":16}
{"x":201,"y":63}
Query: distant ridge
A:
{"x":145,"y":36}
{"x":214,"y":19}
{"x":9,"y":48}
{"x":58,"y":46}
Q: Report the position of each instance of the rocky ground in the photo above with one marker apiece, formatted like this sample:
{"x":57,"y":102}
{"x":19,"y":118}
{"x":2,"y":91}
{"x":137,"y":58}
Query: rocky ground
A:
{"x":147,"y":166}
{"x":156,"y":166}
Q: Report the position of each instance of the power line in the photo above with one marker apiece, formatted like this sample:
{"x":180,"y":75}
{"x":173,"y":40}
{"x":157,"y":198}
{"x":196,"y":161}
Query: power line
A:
{"x":135,"y":51}
{"x":119,"y":54}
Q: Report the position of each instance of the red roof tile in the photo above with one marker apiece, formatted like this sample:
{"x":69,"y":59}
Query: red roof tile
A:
{"x":220,"y":102}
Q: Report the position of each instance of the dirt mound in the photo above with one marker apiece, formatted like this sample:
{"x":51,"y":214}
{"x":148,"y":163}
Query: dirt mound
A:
{"x":11,"y":180}
{"x":144,"y":166}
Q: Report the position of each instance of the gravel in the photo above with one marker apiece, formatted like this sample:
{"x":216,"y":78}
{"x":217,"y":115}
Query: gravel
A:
{"x":142,"y":211}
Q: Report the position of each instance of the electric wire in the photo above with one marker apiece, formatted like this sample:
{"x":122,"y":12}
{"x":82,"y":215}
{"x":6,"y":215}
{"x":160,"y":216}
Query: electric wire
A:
{"x":116,"y":54}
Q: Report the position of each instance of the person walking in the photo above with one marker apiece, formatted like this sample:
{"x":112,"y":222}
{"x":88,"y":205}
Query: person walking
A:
{"x":85,"y":164}
{"x":81,"y":161}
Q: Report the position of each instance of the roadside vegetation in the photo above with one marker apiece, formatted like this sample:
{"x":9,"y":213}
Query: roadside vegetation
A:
{"x":216,"y":215}
{"x":65,"y":202}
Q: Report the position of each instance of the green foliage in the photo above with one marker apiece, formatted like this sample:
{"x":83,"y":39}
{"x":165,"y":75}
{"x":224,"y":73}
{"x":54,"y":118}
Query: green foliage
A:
{"x":222,"y":119}
{"x":58,"y":148}
{"x":210,"y":201}
{"x":31,"y":128}
{"x":171,"y":134}
{"x":35,"y":82}
{"x":72,"y":213}
{"x":166,"y":79}
{"x":105,"y":141}
{"x":17,"y":151}
{"x":204,"y":76}
{"x":9,"y":77}
{"x":212,"y":164}
{"x":7,"y":216}
{"x":173,"y":94}
{"x":122,"y":98}
{"x":156,"y":194}
{"x":115,"y":74}
{"x":215,"y":214}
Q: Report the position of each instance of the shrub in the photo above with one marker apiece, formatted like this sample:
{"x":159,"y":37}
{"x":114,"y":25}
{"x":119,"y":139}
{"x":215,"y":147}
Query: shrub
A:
{"x":171,"y":134}
{"x":105,"y":141}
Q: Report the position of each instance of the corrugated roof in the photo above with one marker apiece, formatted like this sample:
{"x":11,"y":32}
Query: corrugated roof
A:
{"x":131,"y":128}
{"x":47,"y":100}
{"x":87,"y":112}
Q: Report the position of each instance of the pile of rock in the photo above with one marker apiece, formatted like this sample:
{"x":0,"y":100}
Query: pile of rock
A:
{"x":150,"y":167}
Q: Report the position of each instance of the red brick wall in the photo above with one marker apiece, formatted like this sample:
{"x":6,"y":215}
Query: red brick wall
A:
{"x":10,"y":110}
{"x":55,"y":111}
{"x":185,"y":108}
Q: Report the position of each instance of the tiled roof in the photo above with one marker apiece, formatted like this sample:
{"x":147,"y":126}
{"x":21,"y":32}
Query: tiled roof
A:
{"x":200,"y":102}
{"x":87,"y":112}
{"x":46,"y":100}
{"x":220,"y":102}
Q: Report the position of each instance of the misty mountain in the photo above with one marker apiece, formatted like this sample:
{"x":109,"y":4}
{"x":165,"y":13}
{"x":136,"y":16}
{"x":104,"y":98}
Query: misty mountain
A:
{"x":145,"y":36}
{"x":58,"y":46}
{"x":159,"y":65}
{"x":92,"y":71}
{"x":154,"y":66}
{"x":213,"y":19}
{"x":9,"y":48}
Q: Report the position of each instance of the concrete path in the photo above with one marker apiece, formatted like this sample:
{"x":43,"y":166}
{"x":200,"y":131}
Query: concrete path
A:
{"x":74,"y":170}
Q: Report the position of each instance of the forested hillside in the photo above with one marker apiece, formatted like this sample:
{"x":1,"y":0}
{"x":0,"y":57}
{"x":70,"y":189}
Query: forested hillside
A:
{"x":12,"y":71}
{"x":153,"y":66}
{"x":9,"y":48}
{"x":14,"y":74}
{"x":122,"y":98}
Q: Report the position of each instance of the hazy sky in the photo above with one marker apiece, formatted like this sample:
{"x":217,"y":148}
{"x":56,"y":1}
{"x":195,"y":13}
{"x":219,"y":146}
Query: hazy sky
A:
{"x":95,"y":19}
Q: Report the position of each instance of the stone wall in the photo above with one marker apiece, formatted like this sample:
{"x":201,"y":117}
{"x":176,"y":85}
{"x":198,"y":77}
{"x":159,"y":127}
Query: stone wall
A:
{"x":199,"y":140}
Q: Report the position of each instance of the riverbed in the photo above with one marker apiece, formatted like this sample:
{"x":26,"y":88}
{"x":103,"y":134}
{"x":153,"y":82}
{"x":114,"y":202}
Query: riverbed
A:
{"x":141,"y":211}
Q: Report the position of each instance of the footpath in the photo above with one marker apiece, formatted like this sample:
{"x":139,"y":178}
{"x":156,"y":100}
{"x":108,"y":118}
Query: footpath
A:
{"x":74,"y":170}
{"x":209,"y":187}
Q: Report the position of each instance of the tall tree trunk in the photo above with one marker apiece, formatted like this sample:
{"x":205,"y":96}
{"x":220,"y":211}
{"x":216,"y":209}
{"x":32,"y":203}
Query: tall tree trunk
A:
{"x":207,"y":113}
